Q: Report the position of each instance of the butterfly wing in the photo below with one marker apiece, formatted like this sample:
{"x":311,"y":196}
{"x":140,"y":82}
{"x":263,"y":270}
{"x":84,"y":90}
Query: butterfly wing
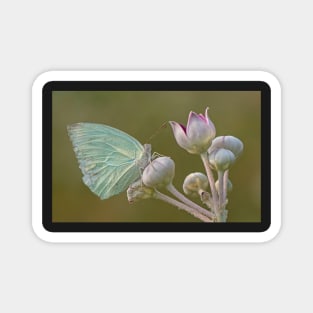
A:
{"x":109,"y":159}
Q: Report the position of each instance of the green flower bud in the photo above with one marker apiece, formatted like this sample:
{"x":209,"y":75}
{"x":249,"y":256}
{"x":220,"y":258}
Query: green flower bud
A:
{"x":195,"y":183}
{"x":159,"y":173}
{"x":221,"y":159}
{"x":231,"y":143}
{"x":229,"y":185}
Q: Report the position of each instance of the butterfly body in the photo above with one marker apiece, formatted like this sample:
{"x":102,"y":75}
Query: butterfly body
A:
{"x":109,"y":159}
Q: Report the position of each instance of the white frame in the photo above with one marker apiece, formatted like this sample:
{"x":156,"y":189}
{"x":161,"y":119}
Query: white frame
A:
{"x":187,"y":237}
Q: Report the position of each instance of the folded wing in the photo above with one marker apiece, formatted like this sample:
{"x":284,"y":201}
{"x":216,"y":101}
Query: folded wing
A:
{"x":107,"y":157}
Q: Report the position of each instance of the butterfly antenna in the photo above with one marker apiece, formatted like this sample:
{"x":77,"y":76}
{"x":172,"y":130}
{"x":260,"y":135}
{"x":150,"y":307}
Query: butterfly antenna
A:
{"x":163,"y":126}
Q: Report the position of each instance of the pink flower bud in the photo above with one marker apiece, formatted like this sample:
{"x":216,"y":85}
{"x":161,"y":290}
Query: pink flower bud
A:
{"x":197,"y":136}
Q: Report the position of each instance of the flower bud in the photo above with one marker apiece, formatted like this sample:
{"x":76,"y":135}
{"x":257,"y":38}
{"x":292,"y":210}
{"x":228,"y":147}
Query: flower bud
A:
{"x":159,"y":173}
{"x":195,"y":183}
{"x":138,"y":191}
{"x":221,"y":159}
{"x":229,"y":185}
{"x":197,"y":136}
{"x":231,"y":143}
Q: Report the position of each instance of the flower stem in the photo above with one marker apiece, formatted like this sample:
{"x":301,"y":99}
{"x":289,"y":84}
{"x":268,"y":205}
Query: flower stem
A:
{"x":209,"y":173}
{"x":160,"y":196}
{"x":190,"y":203}
{"x":221,"y":188}
{"x":225,"y":178}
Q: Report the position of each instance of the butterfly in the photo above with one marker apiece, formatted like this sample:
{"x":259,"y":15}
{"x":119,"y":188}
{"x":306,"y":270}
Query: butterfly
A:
{"x":110,"y":159}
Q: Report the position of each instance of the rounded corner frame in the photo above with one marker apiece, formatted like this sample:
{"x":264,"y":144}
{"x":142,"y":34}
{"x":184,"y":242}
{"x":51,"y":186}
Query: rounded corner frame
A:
{"x":262,"y":76}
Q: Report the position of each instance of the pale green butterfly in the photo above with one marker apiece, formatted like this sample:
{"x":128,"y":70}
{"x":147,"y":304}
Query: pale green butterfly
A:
{"x":109,"y":159}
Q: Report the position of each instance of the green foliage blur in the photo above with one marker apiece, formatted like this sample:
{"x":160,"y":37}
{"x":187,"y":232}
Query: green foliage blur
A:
{"x":143,"y":115}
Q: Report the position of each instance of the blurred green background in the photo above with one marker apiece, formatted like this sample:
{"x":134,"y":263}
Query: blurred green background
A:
{"x":141,"y":114}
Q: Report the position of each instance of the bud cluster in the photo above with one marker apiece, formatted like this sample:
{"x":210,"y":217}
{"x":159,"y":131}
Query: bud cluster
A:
{"x":217,"y":153}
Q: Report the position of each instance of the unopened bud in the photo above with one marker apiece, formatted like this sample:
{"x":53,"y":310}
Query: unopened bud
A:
{"x":221,"y":159}
{"x":229,"y":185}
{"x":197,"y":135}
{"x":159,"y":173}
{"x":195,"y":183}
{"x":231,"y":143}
